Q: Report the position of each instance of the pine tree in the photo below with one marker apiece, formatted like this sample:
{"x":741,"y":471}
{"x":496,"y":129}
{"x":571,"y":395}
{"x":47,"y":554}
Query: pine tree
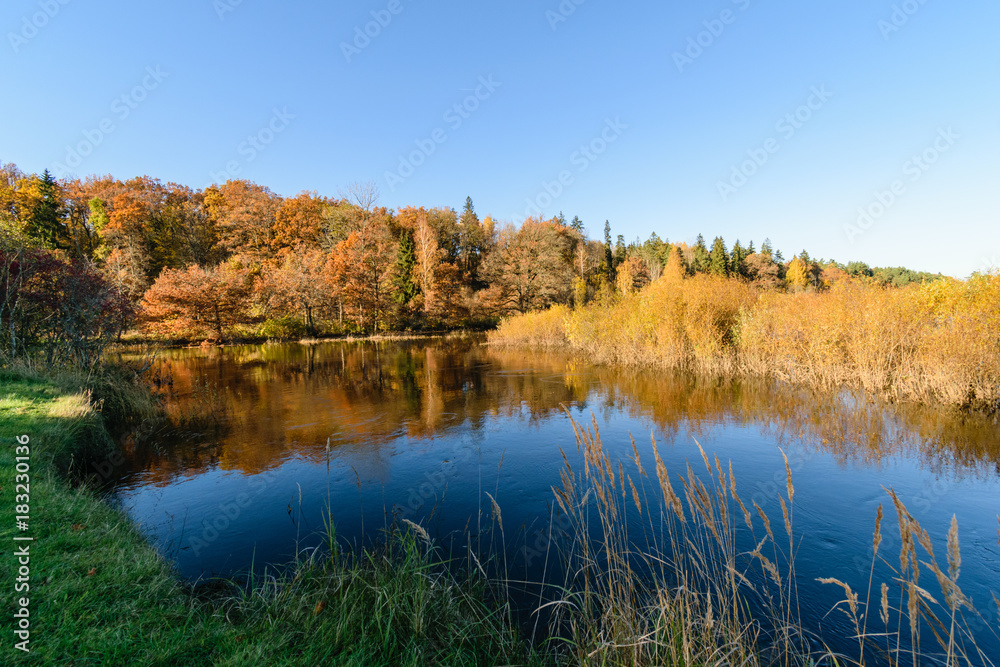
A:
{"x":577,"y":224}
{"x":700,"y":261}
{"x":46,"y":221}
{"x":718,"y":261}
{"x":406,"y":259}
{"x":737,"y":260}
{"x":609,"y":258}
{"x":469,"y":213}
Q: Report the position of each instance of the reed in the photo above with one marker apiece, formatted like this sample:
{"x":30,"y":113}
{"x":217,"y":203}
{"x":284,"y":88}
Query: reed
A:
{"x":936,"y":342}
{"x":656,"y":578}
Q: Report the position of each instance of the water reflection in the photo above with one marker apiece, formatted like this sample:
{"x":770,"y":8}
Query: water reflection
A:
{"x":424,"y":428}
{"x":250,"y":408}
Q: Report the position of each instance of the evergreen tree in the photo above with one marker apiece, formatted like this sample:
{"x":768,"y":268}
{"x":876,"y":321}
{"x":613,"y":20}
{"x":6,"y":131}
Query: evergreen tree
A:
{"x":469,"y":213}
{"x":46,"y":221}
{"x":471,"y":241}
{"x":718,"y":261}
{"x":620,"y":250}
{"x":700,"y":261}
{"x":609,"y":259}
{"x":737,"y":260}
{"x":406,"y":259}
{"x":577,"y":224}
{"x":859,"y":269}
{"x":766,"y":248}
{"x":561,"y":219}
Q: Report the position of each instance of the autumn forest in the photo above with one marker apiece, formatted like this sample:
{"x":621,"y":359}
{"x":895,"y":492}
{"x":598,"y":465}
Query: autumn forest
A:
{"x":238,"y":260}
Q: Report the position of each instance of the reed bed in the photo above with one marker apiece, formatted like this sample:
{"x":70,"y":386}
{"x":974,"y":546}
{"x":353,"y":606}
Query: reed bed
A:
{"x":656,"y":577}
{"x":936,"y":342}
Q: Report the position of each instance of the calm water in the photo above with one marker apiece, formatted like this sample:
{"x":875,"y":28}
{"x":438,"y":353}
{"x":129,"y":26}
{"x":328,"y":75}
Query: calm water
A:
{"x":422,"y":429}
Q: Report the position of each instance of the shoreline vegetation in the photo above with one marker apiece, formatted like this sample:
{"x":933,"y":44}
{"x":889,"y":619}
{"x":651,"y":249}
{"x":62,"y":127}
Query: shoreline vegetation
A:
{"x":933,"y":342}
{"x":139,"y":340}
{"x":101,"y":593}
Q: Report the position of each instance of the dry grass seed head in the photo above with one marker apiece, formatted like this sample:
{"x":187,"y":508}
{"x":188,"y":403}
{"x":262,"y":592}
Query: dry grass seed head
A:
{"x":419,"y":530}
{"x":496,"y":510}
{"x":877,"y":536}
{"x":884,"y":611}
{"x":852,"y":597}
{"x":635,"y":496}
{"x":954,"y":554}
{"x":763,"y":517}
{"x":784,"y":513}
{"x":788,"y":478}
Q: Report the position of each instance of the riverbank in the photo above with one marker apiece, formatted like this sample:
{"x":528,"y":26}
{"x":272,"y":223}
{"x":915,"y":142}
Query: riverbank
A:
{"x":99,"y":593}
{"x":937,"y":342}
{"x":137,"y":339}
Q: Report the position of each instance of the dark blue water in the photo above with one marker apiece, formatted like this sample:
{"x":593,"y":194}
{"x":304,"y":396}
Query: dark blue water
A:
{"x":422,"y":430}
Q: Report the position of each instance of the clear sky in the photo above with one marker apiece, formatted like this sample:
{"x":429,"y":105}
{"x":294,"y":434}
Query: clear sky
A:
{"x":741,"y":118}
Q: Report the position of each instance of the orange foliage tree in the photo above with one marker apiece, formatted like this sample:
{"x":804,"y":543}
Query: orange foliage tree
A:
{"x":362,"y":269}
{"x":298,"y":285}
{"x":197,"y":301}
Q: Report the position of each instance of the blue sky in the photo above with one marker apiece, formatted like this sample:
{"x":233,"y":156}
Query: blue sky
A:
{"x":746,"y":119}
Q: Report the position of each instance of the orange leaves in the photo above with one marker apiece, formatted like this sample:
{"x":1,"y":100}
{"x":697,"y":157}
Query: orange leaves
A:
{"x":195,"y":301}
{"x":299,"y":220}
{"x":244,"y":213}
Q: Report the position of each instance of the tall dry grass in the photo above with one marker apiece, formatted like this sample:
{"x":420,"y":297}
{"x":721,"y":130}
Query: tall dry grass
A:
{"x":656,"y":577}
{"x":934,"y":342}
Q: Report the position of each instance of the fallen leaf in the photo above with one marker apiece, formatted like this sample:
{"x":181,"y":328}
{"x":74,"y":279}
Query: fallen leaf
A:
{"x":77,"y":527}
{"x":320,"y":606}
{"x":92,"y":572}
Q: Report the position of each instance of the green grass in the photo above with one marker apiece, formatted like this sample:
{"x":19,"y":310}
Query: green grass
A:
{"x":101,"y":595}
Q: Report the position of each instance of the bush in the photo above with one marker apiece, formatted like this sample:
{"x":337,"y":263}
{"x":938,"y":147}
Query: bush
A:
{"x":283,"y":327}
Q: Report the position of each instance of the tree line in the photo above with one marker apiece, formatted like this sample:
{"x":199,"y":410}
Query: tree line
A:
{"x":237,"y":258}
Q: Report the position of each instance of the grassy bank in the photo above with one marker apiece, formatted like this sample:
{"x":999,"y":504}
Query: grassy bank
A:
{"x":100,"y":594}
{"x":934,"y":342}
